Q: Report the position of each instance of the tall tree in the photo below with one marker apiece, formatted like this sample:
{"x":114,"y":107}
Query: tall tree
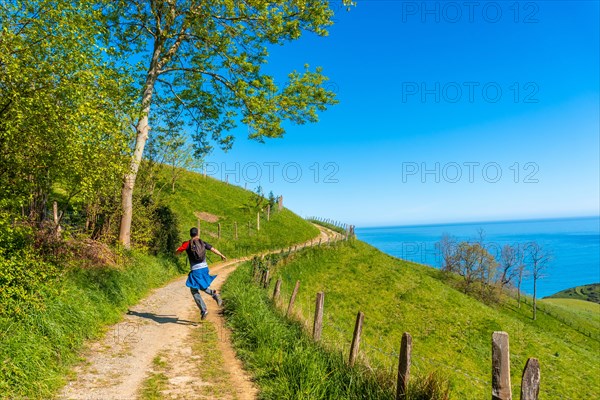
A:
{"x":539,"y":258}
{"x":521,"y":271}
{"x":205,"y":58}
{"x":509,"y":262}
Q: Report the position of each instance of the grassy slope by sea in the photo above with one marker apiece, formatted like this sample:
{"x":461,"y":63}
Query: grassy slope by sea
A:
{"x":580,"y":314}
{"x":451,"y":331}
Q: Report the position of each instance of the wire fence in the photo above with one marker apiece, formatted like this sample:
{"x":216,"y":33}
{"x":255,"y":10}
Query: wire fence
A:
{"x":546,"y":310}
{"x":378,"y":356}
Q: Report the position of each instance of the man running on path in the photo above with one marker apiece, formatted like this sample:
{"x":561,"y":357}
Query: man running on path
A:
{"x":199,"y":278}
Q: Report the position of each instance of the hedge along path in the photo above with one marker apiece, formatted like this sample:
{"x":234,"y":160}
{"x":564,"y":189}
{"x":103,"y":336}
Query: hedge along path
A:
{"x":117,"y":365}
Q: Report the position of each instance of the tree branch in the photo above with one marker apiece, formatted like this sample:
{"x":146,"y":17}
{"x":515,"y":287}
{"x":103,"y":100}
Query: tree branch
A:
{"x":183,"y":103}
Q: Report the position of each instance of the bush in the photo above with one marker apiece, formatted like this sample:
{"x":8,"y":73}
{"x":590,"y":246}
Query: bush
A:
{"x":14,"y":236}
{"x":166,"y":232}
{"x":24,"y":275}
{"x":22,"y":278}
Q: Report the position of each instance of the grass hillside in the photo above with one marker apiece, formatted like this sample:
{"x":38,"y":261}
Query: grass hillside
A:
{"x":585,"y":292}
{"x":581,"y":314}
{"x":41,"y":335}
{"x":284,"y":361}
{"x":231,"y":204}
{"x":451,"y":331}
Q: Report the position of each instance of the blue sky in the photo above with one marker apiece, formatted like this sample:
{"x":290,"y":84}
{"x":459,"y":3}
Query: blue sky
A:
{"x":449,"y":112}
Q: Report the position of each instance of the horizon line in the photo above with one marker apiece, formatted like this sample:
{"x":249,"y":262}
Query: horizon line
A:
{"x":538,"y":219}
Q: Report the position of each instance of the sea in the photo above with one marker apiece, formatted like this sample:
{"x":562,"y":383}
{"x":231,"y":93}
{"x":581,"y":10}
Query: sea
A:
{"x":573,"y":242}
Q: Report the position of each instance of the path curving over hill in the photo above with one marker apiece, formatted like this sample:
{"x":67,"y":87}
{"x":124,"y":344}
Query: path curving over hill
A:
{"x":160,"y":331}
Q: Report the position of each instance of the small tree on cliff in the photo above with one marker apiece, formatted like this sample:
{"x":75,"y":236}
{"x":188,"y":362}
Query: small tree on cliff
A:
{"x":538,"y":259}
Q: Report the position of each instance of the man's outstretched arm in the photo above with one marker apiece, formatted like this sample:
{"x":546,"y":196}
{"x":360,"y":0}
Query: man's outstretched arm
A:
{"x":181,"y":248}
{"x":217,"y":252}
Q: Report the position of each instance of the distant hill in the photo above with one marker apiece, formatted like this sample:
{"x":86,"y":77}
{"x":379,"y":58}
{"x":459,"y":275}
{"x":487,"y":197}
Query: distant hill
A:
{"x":226,"y":208}
{"x":586,"y":292}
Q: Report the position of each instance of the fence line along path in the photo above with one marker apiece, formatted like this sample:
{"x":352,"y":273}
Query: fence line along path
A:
{"x":500,"y":389}
{"x":116,"y":366}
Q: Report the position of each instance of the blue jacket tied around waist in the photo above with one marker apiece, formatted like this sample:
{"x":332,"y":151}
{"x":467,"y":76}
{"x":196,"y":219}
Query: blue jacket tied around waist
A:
{"x":199,"y":278}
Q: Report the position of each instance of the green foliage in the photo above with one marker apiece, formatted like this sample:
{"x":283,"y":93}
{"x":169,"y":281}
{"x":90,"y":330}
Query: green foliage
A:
{"x":14,"y":236}
{"x":272,"y":200}
{"x":166,"y":231}
{"x":23,"y":279}
{"x":213,"y":79}
{"x":451,"y":331}
{"x":24,"y":275}
{"x":258,"y":200}
{"x":62,"y":107}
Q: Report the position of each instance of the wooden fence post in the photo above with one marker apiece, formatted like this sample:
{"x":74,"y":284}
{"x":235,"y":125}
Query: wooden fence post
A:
{"x":293,"y":298}
{"x":356,"y":338}
{"x":268,"y":212}
{"x":235,"y":229}
{"x":404,"y":366}
{"x":318,"y":325}
{"x":277,"y":290}
{"x":219,"y":231}
{"x":530,"y":381}
{"x":265,"y":282}
{"x":501,"y":389}
{"x":280,"y":203}
{"x":258,"y":221}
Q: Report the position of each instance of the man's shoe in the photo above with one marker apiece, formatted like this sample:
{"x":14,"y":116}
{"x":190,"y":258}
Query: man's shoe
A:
{"x":203,"y":315}
{"x":218,"y":299}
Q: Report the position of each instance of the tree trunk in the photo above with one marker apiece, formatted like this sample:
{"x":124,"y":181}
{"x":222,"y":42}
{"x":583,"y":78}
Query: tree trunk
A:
{"x":142,"y":129}
{"x":534,"y":302}
{"x":519,"y":293}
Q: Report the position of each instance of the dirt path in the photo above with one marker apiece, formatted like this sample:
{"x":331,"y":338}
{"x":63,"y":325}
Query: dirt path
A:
{"x":159,"y":331}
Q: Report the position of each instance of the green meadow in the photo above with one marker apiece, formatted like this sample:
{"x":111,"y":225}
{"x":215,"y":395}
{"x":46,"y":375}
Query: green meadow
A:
{"x":230,"y":205}
{"x":451,"y":331}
